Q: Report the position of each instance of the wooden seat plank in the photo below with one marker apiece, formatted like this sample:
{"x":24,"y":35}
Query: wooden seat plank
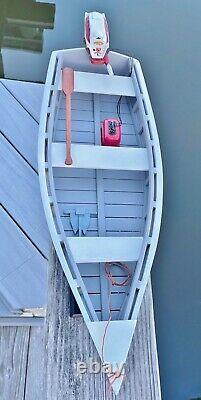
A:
{"x":86,"y":82}
{"x":100,"y":157}
{"x":102,"y":249}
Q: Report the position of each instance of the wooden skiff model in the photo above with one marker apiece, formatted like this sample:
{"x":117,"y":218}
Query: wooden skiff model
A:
{"x":103,"y":203}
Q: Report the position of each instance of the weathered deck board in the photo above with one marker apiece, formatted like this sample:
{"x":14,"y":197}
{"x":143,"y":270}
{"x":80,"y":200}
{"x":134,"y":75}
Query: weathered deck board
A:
{"x":142,"y":376}
{"x":53,"y":350}
{"x":35,"y":376}
{"x":14,"y":343}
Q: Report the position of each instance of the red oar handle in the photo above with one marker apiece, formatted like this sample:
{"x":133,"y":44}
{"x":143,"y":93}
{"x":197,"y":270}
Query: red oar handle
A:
{"x":68,"y":160}
{"x":67,"y":87}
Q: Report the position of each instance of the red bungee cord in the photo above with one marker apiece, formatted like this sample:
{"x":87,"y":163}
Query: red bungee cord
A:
{"x":113,"y":282}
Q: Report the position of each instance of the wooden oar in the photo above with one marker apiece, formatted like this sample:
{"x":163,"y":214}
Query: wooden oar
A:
{"x":68,"y":87}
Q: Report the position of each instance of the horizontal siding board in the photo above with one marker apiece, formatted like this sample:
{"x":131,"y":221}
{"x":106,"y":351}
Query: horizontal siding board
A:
{"x":111,"y":107}
{"x":129,"y":140}
{"x":89,"y":269}
{"x":77,"y":104}
{"x":67,"y":225}
{"x":125,"y":118}
{"x":124,"y":198}
{"x":87,"y":105}
{"x":88,"y":234}
{"x":128,"y":129}
{"x":77,"y":137}
{"x":80,"y":126}
{"x":93,"y":269}
{"x":81,"y":96}
{"x":135,"y":175}
{"x":114,"y":315}
{"x":123,"y":210}
{"x":75,"y":184}
{"x":76,"y":196}
{"x":87,"y":115}
{"x":115,"y":302}
{"x":123,"y":224}
{"x":87,"y":126}
{"x":73,"y":173}
{"x":76,"y":115}
{"x":93,"y":285}
{"x":111,"y":99}
{"x":123,"y":234}
{"x":123,"y":185}
{"x":66,"y":207}
{"x":88,"y":138}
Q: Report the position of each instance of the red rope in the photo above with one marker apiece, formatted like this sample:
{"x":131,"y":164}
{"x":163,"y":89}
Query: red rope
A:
{"x":124,"y":267}
{"x":112,"y":282}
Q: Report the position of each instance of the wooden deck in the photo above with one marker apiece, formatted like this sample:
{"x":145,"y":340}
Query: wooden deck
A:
{"x":38,"y":362}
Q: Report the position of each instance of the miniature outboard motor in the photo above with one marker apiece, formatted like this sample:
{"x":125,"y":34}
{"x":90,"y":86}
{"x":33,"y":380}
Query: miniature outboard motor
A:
{"x":111,"y":132}
{"x":96,"y":37}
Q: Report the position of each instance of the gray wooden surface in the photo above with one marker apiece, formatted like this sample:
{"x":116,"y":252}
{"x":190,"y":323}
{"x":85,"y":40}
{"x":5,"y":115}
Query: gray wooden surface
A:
{"x":38,"y":362}
{"x":25,"y":243}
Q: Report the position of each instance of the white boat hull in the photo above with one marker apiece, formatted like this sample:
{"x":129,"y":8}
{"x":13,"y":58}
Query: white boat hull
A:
{"x":120,"y":190}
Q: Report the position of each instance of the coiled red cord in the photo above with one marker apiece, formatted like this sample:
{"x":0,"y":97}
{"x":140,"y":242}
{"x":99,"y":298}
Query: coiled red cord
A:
{"x":112,"y":282}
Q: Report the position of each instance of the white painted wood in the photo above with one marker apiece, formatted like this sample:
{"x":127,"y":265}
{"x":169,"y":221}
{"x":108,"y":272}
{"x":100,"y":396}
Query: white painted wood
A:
{"x":100,"y":157}
{"x":119,"y":338}
{"x":101,"y":249}
{"x":103,"y":84}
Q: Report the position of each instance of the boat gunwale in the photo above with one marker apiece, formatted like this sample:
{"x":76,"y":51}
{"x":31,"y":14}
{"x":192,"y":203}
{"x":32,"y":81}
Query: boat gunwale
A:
{"x":45,"y":168}
{"x":155,"y":189}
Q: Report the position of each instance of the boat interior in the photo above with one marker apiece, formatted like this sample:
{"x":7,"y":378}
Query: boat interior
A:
{"x":101,"y":202}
